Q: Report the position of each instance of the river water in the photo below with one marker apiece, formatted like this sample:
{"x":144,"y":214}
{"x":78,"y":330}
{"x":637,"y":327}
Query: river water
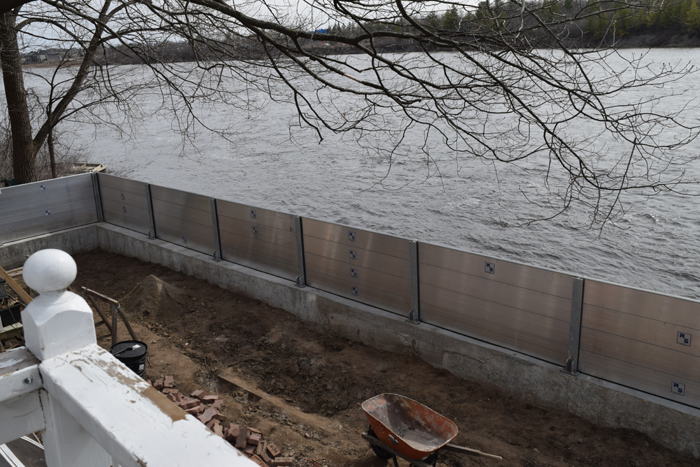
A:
{"x":469,"y":205}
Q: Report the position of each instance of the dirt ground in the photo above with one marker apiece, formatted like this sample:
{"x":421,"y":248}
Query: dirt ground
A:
{"x":314,"y":382}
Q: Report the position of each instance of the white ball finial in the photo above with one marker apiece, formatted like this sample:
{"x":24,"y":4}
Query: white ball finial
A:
{"x":49,"y":271}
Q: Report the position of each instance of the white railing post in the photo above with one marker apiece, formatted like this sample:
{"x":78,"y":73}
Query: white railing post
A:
{"x":56,"y":322}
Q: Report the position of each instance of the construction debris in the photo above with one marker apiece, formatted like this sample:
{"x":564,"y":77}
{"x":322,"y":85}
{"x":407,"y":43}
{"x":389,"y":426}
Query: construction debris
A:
{"x":205,"y":407}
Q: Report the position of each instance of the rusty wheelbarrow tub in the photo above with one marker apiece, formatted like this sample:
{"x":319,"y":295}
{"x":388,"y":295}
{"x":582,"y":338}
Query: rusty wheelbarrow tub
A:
{"x":402,"y":427}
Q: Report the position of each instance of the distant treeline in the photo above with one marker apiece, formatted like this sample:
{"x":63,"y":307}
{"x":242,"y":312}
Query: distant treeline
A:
{"x":574,"y":21}
{"x":571,"y":23}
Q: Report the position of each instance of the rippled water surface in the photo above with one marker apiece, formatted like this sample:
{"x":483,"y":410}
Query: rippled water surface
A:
{"x":468,"y":205}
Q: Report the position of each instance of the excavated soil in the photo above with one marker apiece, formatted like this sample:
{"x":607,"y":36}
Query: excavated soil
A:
{"x":314,"y":382}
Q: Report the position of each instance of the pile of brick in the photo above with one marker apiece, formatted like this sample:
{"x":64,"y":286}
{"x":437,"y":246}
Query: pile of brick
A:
{"x":205,"y":407}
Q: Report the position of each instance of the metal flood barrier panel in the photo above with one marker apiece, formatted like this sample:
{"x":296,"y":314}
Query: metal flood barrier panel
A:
{"x":125,"y":203}
{"x":258,"y":238}
{"x":643,"y":340}
{"x":368,"y":267}
{"x":184,"y":219}
{"x":47,"y":206}
{"x":520,"y":307}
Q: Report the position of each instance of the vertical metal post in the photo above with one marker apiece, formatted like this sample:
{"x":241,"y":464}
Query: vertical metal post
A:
{"x":301,"y":278}
{"x":115,"y":324}
{"x":151,"y":217}
{"x":414,"y":315}
{"x":575,"y":325}
{"x":98,"y":197}
{"x":215,"y":227}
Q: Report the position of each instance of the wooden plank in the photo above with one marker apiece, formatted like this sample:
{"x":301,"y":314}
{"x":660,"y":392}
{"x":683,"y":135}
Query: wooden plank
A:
{"x":126,"y":322}
{"x":21,"y":416}
{"x":24,"y":296}
{"x":95,"y":305}
{"x":132,"y":421}
{"x":99,"y":295}
{"x":16,"y":368}
{"x":13,"y":330}
{"x":20,"y":409}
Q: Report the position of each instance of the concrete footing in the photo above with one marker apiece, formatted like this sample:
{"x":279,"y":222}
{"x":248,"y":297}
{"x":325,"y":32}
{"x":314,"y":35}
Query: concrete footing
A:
{"x":671,"y":424}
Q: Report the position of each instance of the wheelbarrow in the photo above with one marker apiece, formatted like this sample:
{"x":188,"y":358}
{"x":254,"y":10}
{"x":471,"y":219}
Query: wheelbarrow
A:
{"x":401,"y":427}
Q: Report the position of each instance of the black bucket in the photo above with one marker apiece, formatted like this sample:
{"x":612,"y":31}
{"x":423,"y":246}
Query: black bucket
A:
{"x":132,"y":354}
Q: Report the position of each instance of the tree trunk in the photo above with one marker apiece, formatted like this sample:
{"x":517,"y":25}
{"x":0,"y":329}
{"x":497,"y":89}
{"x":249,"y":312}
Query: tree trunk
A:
{"x":23,"y":151}
{"x":52,"y":154}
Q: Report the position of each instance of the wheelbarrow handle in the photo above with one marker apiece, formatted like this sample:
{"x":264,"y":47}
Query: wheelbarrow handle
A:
{"x":473,"y":452}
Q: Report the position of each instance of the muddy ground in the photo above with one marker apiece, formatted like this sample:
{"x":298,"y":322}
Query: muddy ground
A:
{"x":197,"y":332}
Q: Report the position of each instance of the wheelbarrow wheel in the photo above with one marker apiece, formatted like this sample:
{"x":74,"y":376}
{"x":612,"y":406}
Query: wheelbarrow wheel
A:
{"x":379,"y":452}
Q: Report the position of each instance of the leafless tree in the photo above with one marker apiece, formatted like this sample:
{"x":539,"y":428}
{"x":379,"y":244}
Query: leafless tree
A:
{"x":508,"y":83}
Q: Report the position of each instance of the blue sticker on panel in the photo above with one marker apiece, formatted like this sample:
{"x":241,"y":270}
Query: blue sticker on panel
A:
{"x":255,"y":230}
{"x":124,"y":209}
{"x":351,"y":236}
{"x":353,"y":273}
{"x":253,"y":214}
{"x":353,"y":254}
{"x":43,"y":187}
{"x":123,"y":197}
{"x":48,"y":213}
{"x":684,"y":338}
{"x":678,"y":388}
{"x":184,"y":240}
{"x":490,"y":268}
{"x":355,"y":291}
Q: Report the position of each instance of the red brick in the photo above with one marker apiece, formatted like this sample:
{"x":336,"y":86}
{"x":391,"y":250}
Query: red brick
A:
{"x":249,"y":450}
{"x":282,"y":461}
{"x":259,"y":461}
{"x":172,"y":397}
{"x":158,"y":384}
{"x":218,"y":404}
{"x":188,"y":403}
{"x":209,"y":399}
{"x":265,"y":457}
{"x":233,"y":432}
{"x":170,"y":391}
{"x":195,"y":411}
{"x":254,"y":439}
{"x":219,"y":430}
{"x":242,"y":438}
{"x":208,"y":415}
{"x":211,"y":424}
{"x":169,"y":382}
{"x":198,"y":393}
{"x":273,"y":450}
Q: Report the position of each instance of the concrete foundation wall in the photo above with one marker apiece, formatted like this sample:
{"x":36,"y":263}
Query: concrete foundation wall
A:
{"x":76,"y":240}
{"x":671,"y":424}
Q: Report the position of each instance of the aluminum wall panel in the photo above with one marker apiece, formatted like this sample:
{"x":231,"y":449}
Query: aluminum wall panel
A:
{"x":258,"y":238}
{"x":363,"y":240}
{"x":520,"y":307}
{"x":183,"y":218}
{"x":368,"y":267}
{"x":124,"y":202}
{"x":542,"y":337}
{"x":527,"y":277}
{"x":642,"y":340}
{"x":47,"y":206}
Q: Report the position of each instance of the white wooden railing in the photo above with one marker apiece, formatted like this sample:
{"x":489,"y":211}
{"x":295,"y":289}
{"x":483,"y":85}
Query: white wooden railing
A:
{"x":93,"y":411}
